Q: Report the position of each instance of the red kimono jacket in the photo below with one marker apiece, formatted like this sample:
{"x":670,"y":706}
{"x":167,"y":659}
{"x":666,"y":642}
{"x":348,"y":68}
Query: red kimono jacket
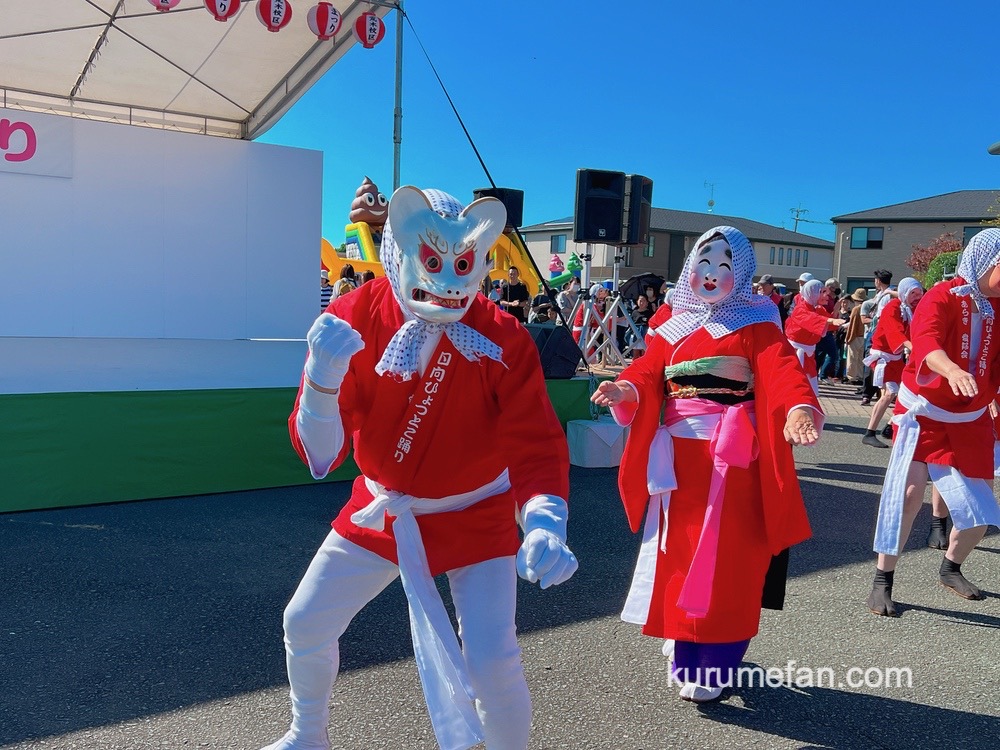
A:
{"x":891,"y":332}
{"x":807,"y":325}
{"x":944,"y":321}
{"x":763,"y":512}
{"x":448,"y":432}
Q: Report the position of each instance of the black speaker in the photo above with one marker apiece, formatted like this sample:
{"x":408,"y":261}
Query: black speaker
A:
{"x":600,"y":204}
{"x":639,"y":192}
{"x":558,"y":351}
{"x":513,"y":201}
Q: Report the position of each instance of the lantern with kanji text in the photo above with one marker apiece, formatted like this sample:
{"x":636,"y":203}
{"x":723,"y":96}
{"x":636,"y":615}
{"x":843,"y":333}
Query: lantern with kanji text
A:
{"x":324,"y":21}
{"x":162,"y":5}
{"x":274,"y":14}
{"x":369,"y":29}
{"x":222,"y":10}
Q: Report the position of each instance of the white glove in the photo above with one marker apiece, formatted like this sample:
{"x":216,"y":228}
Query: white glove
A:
{"x":544,"y":556}
{"x":332,"y":343}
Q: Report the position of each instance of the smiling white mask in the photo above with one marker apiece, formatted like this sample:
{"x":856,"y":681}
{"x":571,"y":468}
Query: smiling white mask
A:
{"x":715,"y":288}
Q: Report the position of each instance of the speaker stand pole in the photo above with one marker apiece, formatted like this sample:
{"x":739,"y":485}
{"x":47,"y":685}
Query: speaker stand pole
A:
{"x":598,"y":345}
{"x":622,"y":308}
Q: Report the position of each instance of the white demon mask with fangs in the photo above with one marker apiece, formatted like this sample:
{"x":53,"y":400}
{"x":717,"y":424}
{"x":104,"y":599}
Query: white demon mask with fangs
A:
{"x":442,"y":251}
{"x":435,"y":253}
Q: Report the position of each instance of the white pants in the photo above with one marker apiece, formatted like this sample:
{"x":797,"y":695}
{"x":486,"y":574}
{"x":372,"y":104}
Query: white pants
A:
{"x":343,"y":577}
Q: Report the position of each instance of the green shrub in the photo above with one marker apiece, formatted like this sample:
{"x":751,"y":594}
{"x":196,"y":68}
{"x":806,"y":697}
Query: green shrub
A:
{"x":942,"y":264}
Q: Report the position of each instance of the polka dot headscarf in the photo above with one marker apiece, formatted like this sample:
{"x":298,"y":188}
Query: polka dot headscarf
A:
{"x":741,"y":308}
{"x":980,"y":256}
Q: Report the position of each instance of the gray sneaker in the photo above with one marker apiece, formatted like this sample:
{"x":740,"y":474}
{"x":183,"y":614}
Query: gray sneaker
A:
{"x":873,"y":441}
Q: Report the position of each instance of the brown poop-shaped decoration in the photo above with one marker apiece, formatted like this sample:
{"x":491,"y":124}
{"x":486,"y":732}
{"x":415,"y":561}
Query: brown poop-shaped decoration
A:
{"x":369,"y":205}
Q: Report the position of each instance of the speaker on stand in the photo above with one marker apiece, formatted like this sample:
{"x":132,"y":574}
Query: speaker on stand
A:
{"x":600,"y":205}
{"x":513,"y":201}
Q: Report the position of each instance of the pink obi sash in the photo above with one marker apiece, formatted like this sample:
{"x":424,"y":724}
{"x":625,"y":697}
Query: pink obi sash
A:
{"x":733,"y":437}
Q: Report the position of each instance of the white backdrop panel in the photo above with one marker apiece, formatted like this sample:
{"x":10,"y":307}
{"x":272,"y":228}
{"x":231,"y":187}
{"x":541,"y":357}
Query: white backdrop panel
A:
{"x":162,"y":235}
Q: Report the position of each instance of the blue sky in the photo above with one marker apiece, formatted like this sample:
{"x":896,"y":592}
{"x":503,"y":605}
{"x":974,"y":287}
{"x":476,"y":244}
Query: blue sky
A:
{"x":834,"y":107}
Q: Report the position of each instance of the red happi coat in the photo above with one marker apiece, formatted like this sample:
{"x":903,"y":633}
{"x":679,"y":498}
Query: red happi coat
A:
{"x":483,"y":417}
{"x":891,"y":332}
{"x":943,"y":321}
{"x":763,"y":512}
{"x":807,"y":325}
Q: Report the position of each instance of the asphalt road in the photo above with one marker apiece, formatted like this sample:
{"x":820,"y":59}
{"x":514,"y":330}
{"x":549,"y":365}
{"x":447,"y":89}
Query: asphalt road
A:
{"x":157,"y":624}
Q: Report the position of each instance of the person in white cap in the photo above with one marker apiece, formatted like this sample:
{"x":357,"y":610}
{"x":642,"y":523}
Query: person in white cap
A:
{"x":406,"y":368}
{"x":890,"y":343}
{"x":944,"y":430}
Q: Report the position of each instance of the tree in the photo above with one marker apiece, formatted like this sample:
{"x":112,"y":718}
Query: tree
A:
{"x":922,"y":256}
{"x":942,"y":266}
{"x":993,"y":211}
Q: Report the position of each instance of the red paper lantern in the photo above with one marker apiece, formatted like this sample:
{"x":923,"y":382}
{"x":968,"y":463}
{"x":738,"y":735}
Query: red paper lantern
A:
{"x":223,"y":10}
{"x":163,"y":5}
{"x":274,"y":14}
{"x":324,"y":21}
{"x":369,"y":29}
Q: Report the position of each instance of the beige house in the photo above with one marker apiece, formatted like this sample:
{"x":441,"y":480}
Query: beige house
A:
{"x":780,"y":252}
{"x":884,"y":237}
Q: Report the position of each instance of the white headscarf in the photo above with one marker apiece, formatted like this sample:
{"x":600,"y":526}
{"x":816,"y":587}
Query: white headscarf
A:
{"x":980,"y":256}
{"x":907,"y":285}
{"x":741,"y":308}
{"x":401,"y":357}
{"x":811,"y":290}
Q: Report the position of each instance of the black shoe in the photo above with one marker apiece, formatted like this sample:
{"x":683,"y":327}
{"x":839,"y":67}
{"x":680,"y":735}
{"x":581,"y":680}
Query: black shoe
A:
{"x":961,"y":586}
{"x":873,"y":441}
{"x":880,"y":599}
{"x":887,"y":431}
{"x":938,"y":537}
{"x":952,"y":578}
{"x":880,"y":602}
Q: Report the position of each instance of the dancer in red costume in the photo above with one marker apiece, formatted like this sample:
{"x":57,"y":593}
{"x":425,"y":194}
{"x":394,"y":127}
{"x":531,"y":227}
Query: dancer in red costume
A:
{"x":944,"y":429}
{"x":406,"y":366}
{"x":890,"y":342}
{"x":715,"y":479}
{"x":808,"y":323}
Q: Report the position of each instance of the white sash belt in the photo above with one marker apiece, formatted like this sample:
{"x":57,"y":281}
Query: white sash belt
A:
{"x":447,"y":690}
{"x":890,"y":507}
{"x":880,"y":360}
{"x":802,"y":351}
{"x":661,"y":481}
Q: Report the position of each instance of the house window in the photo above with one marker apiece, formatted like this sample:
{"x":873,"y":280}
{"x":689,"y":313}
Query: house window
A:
{"x":805,"y":257}
{"x":866,"y":238}
{"x":558,"y":244}
{"x":648,"y":250}
{"x":967,"y":233}
{"x":772,"y":256}
{"x":798,"y":254}
{"x":781,"y":256}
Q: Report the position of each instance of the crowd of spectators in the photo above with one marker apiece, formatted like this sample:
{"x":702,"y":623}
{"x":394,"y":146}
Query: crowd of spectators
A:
{"x":840,"y":353}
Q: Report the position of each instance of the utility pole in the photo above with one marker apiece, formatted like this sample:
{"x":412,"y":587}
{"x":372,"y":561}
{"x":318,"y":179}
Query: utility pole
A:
{"x":711,"y":200}
{"x":797,"y":212}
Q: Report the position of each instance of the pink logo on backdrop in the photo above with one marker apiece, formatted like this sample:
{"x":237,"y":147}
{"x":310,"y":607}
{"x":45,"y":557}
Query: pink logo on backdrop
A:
{"x":8,"y":128}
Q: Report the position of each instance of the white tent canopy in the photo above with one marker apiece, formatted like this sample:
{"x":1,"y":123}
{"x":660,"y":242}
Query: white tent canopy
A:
{"x":123,"y":61}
